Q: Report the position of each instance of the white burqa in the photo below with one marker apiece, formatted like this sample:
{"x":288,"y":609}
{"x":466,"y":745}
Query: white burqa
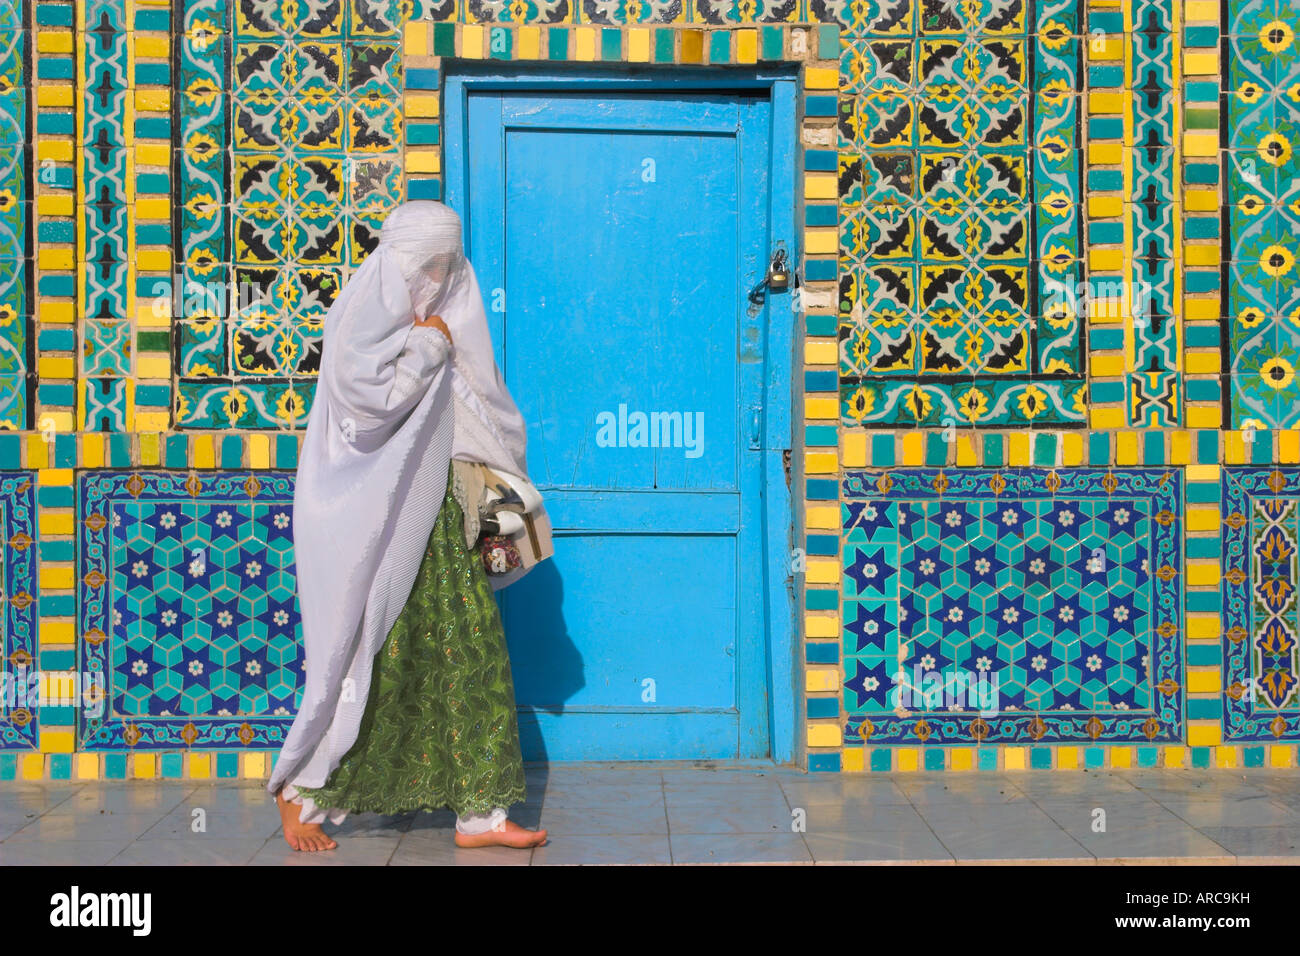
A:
{"x":394,"y":404}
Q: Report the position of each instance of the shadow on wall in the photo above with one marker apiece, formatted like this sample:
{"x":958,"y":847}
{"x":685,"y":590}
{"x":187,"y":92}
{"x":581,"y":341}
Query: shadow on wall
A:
{"x":545,"y":663}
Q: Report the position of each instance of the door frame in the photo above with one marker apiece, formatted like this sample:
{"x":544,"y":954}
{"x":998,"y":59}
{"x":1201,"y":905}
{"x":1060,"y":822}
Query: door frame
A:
{"x":779,"y":392}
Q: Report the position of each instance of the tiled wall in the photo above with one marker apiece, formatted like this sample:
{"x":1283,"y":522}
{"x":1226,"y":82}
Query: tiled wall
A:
{"x":1049,"y":386}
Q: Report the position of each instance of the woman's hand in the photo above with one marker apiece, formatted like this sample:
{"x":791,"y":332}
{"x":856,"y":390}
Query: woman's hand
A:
{"x":435,"y":321}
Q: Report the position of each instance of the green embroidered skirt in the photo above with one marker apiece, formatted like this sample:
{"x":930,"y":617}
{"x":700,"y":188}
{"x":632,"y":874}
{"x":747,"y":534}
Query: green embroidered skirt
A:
{"x":439,"y":728}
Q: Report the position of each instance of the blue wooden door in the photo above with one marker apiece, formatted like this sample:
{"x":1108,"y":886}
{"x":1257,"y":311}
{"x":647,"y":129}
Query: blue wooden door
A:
{"x":615,"y":236}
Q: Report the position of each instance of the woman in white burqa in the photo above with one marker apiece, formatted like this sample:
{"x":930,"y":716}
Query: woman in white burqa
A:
{"x":408,"y":702}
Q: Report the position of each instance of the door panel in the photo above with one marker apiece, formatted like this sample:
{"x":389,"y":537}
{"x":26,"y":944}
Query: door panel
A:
{"x":648,"y":296}
{"x":616,"y":236}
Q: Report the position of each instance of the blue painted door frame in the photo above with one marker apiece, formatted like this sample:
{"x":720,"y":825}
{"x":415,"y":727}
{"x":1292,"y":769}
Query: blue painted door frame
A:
{"x":768,"y":581}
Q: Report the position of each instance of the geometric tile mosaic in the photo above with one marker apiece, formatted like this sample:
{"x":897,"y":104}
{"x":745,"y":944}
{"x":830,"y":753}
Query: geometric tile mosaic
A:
{"x":1263,"y":199}
{"x":187,"y":608}
{"x":964,"y":161}
{"x":299,"y":105}
{"x":1155,"y":397}
{"x":1261,"y":673}
{"x":18,"y":607}
{"x":1058,"y":593}
{"x":959,"y":215}
{"x":15,"y":304}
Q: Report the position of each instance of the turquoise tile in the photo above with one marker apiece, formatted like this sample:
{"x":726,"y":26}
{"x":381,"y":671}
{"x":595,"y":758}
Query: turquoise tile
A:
{"x":821,"y":599}
{"x":444,"y":39}
{"x":58,"y":658}
{"x":993,"y":457}
{"x":821,"y":436}
{"x":1153,"y":448}
{"x":286,"y":451}
{"x":772,"y":40}
{"x":426,"y":188}
{"x":557,"y":43}
{"x":1207,"y":447}
{"x":824,"y":763}
{"x":821,"y":489}
{"x":823,"y":544}
{"x":822,"y":708}
{"x":936,"y":450}
{"x":65,"y":451}
{"x":422,"y":78}
{"x":176,"y":452}
{"x":1045,"y":450}
{"x":828,"y":42}
{"x":58,"y":550}
{"x":499,"y":45}
{"x":882,"y":451}
{"x":11,"y":451}
{"x":720,"y":46}
{"x":664,"y":39}
{"x":821,"y":105}
{"x":422,"y":134}
{"x":172,"y":765}
{"x":232,"y":451}
{"x":611,"y":43}
{"x":822,"y":652}
{"x":1099,"y":449}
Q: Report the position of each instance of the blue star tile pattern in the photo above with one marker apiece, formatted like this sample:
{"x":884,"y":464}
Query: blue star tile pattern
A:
{"x":1260,"y":544}
{"x":1012,"y":605}
{"x":18,"y":568}
{"x":188,"y":608}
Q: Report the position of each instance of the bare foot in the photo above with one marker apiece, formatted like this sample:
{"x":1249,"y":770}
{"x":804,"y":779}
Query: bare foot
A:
{"x":299,"y":835}
{"x":513,"y":835}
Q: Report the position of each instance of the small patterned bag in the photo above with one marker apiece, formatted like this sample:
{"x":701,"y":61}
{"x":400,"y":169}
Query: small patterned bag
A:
{"x":515,"y":532}
{"x":500,"y":556}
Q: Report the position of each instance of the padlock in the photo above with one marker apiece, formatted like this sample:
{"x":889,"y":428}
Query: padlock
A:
{"x":778,"y":276}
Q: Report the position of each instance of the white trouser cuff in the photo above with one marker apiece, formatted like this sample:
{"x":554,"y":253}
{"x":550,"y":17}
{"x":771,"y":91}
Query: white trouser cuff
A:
{"x":475,"y":823}
{"x":310,"y":812}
